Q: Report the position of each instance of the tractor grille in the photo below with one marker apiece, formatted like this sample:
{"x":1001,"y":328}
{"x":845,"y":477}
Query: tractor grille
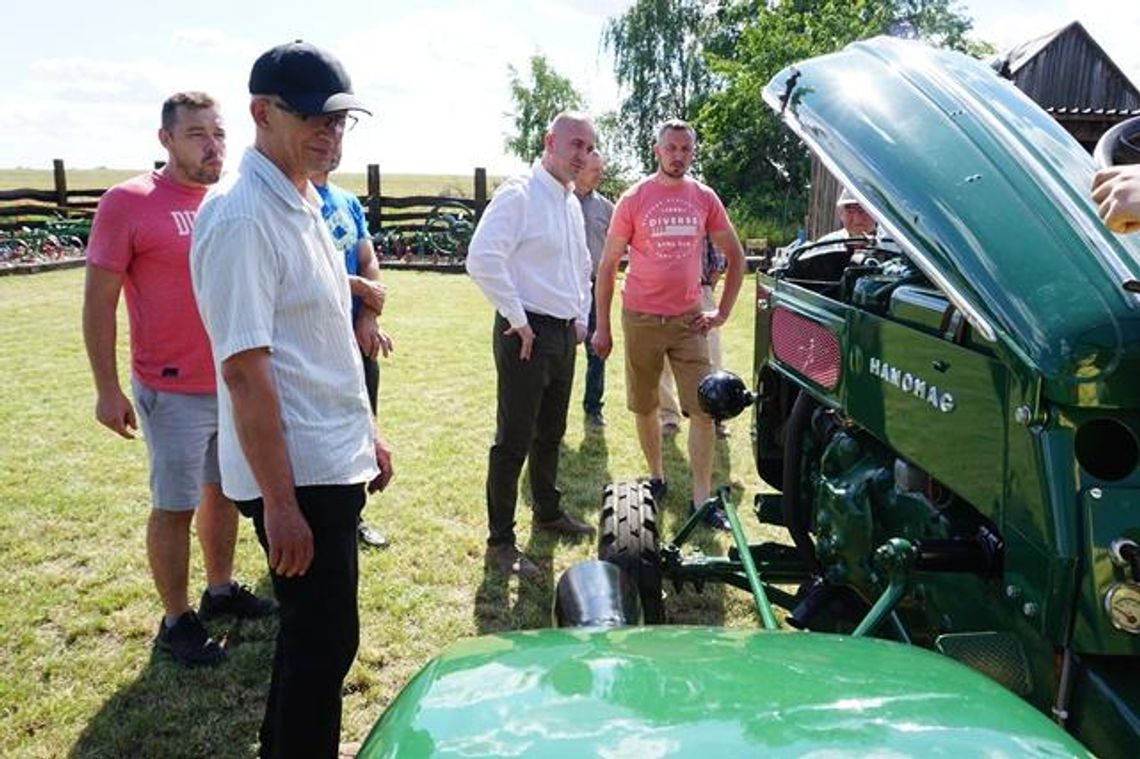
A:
{"x":806,"y":346}
{"x":996,"y":654}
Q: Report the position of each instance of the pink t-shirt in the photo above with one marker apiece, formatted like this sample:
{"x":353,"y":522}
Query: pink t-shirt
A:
{"x":666,"y":227}
{"x":142,"y":231}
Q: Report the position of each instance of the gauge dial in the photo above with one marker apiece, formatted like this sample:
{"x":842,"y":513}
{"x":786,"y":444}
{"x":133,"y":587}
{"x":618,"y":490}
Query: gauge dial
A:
{"x":1122,"y":602}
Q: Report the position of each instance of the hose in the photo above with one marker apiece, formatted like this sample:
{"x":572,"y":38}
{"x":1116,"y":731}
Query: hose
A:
{"x":790,"y":500}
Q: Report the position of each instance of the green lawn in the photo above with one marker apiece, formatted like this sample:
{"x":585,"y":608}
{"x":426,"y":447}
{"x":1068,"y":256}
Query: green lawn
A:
{"x":77,"y":608}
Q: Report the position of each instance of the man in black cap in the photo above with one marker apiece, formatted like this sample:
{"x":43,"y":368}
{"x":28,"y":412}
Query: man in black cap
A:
{"x":297,"y":444}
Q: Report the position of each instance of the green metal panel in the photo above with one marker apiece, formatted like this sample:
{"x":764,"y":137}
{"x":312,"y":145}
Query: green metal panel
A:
{"x":1105,"y":706}
{"x":939,"y":403}
{"x":1109,"y":513}
{"x":678,"y":691}
{"x":987,"y":194}
{"x":823,"y":311}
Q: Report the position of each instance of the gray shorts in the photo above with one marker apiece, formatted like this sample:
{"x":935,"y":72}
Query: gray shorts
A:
{"x":181,"y":431}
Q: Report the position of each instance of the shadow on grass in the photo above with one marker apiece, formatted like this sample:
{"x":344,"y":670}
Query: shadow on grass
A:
{"x":175,"y":711}
{"x":689,"y":605}
{"x":582,"y":475}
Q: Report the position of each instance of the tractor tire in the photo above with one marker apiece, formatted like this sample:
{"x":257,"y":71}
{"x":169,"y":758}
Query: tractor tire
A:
{"x":629,"y":539}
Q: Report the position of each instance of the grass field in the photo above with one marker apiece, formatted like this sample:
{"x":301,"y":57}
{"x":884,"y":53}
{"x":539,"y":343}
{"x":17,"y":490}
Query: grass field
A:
{"x":392,"y":185}
{"x":77,"y":608}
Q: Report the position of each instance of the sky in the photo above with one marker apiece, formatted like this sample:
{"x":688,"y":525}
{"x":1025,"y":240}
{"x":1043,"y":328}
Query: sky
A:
{"x":85,"y":81}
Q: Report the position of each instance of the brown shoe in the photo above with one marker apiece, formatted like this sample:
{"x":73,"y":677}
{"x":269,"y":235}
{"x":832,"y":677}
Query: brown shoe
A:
{"x":508,"y":559}
{"x":565,"y":525}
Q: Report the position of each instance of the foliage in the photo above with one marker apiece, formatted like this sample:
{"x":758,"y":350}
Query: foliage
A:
{"x":618,"y":172}
{"x":78,"y":609}
{"x":713,"y":60}
{"x":537,"y":101}
{"x":750,"y":227}
{"x":659,"y":59}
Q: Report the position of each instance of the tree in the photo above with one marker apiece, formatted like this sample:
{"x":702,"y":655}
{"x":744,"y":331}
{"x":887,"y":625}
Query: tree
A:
{"x":659,"y":59}
{"x":537,"y":102}
{"x":619,"y":170}
{"x":707,"y":61}
{"x":758,"y":166}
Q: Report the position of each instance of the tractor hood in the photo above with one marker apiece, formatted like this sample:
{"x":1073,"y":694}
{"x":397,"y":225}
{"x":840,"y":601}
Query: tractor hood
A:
{"x":985,"y":192}
{"x":686,"y":691}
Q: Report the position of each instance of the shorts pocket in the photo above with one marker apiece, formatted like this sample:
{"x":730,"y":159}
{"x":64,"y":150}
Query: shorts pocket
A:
{"x":147,"y":398}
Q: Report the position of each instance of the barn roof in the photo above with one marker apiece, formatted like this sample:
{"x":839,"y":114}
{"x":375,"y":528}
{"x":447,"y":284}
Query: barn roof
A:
{"x":1067,"y":71}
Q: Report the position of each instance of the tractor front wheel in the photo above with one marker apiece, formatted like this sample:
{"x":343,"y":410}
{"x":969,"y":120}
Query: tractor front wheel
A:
{"x":629,"y":539}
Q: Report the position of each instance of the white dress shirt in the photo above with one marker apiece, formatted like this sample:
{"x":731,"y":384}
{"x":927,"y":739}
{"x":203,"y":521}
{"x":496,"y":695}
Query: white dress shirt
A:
{"x":529,"y":251}
{"x":267,"y":275}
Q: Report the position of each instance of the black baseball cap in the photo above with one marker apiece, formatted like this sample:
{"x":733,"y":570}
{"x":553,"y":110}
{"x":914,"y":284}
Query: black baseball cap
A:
{"x":310,"y":80}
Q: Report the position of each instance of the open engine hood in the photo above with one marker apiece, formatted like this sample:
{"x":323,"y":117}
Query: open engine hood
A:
{"x":983,"y":190}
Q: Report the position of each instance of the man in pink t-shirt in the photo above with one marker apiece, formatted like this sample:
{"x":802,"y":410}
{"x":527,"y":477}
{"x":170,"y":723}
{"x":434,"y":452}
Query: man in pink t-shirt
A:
{"x":663,"y":221}
{"x":140,"y":244}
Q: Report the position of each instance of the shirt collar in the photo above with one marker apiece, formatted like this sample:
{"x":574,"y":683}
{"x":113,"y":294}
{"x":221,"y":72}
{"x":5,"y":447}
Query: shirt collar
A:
{"x":255,"y":162}
{"x":548,"y":180}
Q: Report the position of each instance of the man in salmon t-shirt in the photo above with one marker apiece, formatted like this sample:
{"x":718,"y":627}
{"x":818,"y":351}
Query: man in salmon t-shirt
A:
{"x":140,"y":242}
{"x":663,"y":220}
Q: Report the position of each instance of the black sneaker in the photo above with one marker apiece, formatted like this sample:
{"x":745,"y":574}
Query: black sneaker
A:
{"x":658,"y":488}
{"x":714,"y":518}
{"x":188,"y":642}
{"x":239,"y":602}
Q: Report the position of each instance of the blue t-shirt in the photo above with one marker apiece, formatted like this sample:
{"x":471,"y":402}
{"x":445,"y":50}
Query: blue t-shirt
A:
{"x":344,"y":216}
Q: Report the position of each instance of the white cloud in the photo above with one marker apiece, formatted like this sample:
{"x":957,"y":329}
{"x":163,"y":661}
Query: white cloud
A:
{"x":438,"y":81}
{"x":86,"y":80}
{"x":196,"y":40}
{"x":435,"y":70}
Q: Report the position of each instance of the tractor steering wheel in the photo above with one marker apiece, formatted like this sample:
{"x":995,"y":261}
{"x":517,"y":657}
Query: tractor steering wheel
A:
{"x":1119,"y":145}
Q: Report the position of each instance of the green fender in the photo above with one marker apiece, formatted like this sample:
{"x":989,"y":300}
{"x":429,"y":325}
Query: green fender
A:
{"x":696,"y":691}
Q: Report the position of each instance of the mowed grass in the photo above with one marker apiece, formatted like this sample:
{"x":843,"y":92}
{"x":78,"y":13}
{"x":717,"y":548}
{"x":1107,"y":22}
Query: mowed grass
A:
{"x":391,"y":185}
{"x":77,"y":607}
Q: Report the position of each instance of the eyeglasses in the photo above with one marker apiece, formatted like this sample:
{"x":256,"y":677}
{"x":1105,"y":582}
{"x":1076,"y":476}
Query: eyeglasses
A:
{"x":338,"y":122}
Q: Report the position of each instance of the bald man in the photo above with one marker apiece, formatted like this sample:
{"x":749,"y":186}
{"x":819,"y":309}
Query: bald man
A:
{"x":529,"y":257}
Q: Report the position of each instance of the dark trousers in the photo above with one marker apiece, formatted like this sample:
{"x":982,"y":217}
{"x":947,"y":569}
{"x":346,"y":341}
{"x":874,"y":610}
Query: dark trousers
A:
{"x":595,"y":366}
{"x":319,"y":627}
{"x":533,"y":397}
{"x":371,"y":379}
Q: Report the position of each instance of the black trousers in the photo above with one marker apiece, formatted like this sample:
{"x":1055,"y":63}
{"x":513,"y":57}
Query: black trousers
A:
{"x":371,"y":379}
{"x":319,"y":627}
{"x":533,"y":397}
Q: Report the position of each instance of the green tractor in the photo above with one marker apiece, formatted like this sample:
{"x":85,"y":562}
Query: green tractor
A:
{"x":950,"y":415}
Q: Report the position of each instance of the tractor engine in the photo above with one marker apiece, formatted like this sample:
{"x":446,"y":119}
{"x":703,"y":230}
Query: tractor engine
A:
{"x":862,"y":495}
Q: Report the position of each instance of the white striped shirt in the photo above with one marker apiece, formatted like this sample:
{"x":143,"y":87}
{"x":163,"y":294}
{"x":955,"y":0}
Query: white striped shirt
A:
{"x":266,"y":275}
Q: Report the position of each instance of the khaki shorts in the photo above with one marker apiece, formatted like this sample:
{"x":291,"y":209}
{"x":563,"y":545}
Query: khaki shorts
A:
{"x":648,"y":339}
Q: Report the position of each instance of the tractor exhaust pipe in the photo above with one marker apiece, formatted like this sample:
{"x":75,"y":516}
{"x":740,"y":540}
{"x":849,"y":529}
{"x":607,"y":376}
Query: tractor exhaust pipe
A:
{"x":595,"y":594}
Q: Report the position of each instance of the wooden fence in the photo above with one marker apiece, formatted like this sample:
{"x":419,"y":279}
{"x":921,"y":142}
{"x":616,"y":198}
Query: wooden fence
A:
{"x":26,"y":207}
{"x":32,"y":208}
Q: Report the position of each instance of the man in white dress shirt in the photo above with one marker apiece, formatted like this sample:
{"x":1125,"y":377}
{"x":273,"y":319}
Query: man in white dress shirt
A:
{"x":529,"y":257}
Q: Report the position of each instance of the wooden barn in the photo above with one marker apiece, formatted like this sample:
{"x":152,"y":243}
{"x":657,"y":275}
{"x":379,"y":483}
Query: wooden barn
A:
{"x":1065,"y":72}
